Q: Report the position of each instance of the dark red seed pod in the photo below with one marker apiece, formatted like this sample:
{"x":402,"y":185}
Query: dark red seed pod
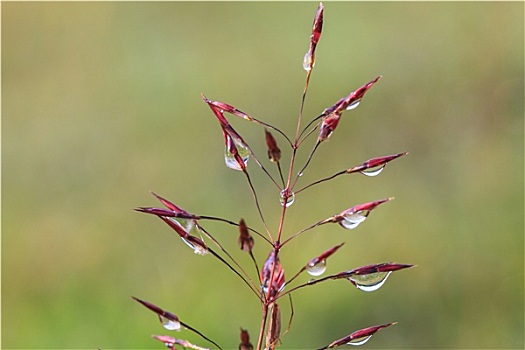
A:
{"x":246,"y":241}
{"x":274,"y":153}
{"x":358,"y":337}
{"x":245,"y":341}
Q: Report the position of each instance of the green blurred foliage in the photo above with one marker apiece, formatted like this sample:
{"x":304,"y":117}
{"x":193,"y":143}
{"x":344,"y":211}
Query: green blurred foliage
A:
{"x":101,"y":104}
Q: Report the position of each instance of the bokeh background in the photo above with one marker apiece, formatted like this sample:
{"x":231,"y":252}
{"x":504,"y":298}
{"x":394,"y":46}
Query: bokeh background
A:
{"x":101,"y":104}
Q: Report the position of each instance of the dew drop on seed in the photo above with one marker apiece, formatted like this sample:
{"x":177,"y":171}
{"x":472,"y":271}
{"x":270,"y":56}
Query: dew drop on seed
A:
{"x":351,"y":221}
{"x":196,"y":248}
{"x":317,"y":269}
{"x":359,"y":341}
{"x":373,"y":171}
{"x":290,"y":198}
{"x":353,"y":105}
{"x":307,"y":60}
{"x":186,"y":224}
{"x":230,"y":160}
{"x":370,"y":282}
{"x":169,"y":324}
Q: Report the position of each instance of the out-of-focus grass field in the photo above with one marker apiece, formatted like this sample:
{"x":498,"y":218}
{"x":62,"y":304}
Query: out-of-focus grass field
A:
{"x":101,"y":104}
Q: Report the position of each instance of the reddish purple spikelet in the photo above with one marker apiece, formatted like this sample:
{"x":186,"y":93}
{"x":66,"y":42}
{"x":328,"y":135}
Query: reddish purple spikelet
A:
{"x":245,"y":341}
{"x":272,"y":275}
{"x":224,"y":107}
{"x":375,"y":268}
{"x":274,"y":153}
{"x":175,"y":226}
{"x":232,"y":148}
{"x":274,"y":327}
{"x":354,"y":96}
{"x":376,"y":162}
{"x":218,"y":112}
{"x":245,"y":240}
{"x":369,"y":206}
{"x":333,"y":114}
{"x":160,"y":313}
{"x":328,"y":126}
{"x":363,"y":335}
{"x":325,"y":255}
{"x":309,"y":57}
{"x":167,"y":213}
{"x":168,"y":341}
{"x":170,"y":205}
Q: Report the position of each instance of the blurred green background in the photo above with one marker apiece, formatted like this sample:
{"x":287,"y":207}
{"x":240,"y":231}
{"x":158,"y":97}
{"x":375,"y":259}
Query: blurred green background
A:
{"x":101,"y":104}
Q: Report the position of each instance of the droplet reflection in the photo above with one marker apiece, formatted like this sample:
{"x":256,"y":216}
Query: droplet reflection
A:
{"x":359,"y":341}
{"x":353,"y":105}
{"x":230,"y":160}
{"x":286,"y":198}
{"x":317,"y":269}
{"x":370,"y":282}
{"x":373,"y":171}
{"x":169,"y":324}
{"x":351,"y":221}
{"x":307,"y":61}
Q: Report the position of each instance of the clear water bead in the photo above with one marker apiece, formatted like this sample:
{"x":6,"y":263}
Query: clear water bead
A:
{"x":370,"y":282}
{"x":170,"y":325}
{"x":230,"y":160}
{"x":359,"y":341}
{"x":317,"y":269}
{"x":197,"y":249}
{"x":290,"y":198}
{"x":353,"y":105}
{"x":353,"y":220}
{"x":373,"y":171}
{"x":307,"y":61}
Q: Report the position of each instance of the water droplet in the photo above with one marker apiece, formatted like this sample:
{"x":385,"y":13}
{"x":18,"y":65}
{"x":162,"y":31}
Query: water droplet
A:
{"x":197,"y":249}
{"x":186,"y":224}
{"x":307,"y":60}
{"x":229,"y":158}
{"x":351,"y":221}
{"x":353,"y":105}
{"x":370,"y":282}
{"x":170,"y":325}
{"x":373,"y":171}
{"x":316,"y":269}
{"x":289,"y":195}
{"x":359,"y":341}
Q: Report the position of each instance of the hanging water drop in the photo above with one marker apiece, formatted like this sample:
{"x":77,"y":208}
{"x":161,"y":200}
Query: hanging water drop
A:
{"x":359,"y":341}
{"x":243,"y":152}
{"x":187,"y":224}
{"x":353,"y":220}
{"x":373,"y":171}
{"x":286,"y":198}
{"x":197,"y":249}
{"x":353,"y":105}
{"x":170,"y":325}
{"x":370,"y":282}
{"x":307,"y":61}
{"x":316,"y":269}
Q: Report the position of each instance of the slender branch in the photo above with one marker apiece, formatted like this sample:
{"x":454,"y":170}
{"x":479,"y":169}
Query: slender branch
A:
{"x":235,"y":271}
{"x":248,"y":278}
{"x":319,"y":223}
{"x":199,"y":333}
{"x":257,"y":204}
{"x":234,"y":224}
{"x":322,"y":180}
{"x":263,"y":326}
